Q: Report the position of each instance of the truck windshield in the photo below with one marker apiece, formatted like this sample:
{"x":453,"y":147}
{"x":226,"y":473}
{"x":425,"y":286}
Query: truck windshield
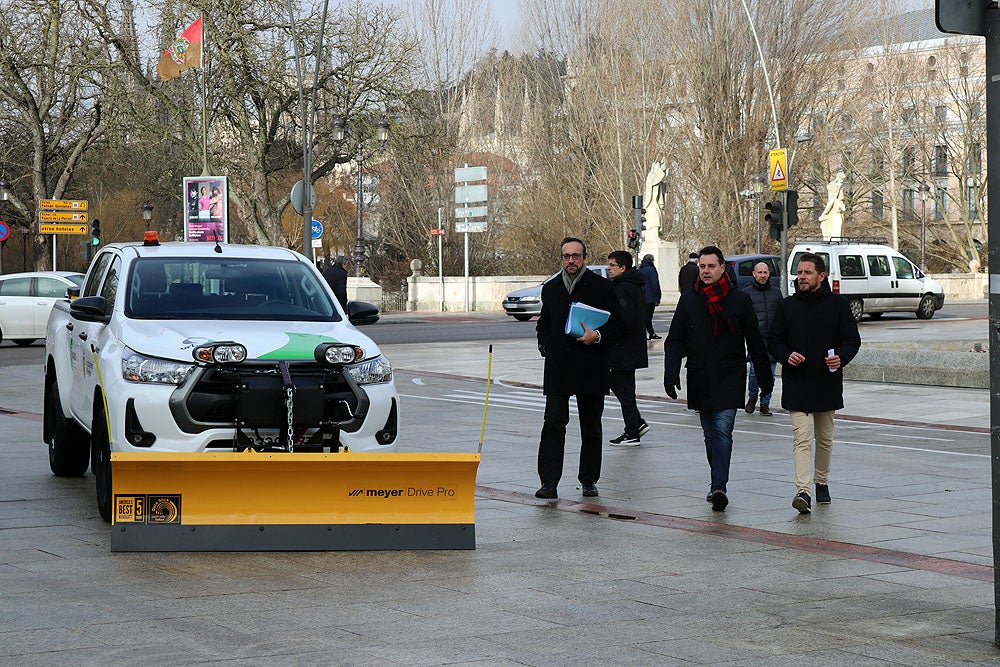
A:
{"x":226,"y":289}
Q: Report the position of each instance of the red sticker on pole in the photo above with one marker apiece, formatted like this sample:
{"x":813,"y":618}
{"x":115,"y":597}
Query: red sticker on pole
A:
{"x":4,"y":230}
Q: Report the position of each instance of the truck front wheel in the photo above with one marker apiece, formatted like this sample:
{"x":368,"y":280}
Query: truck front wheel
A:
{"x":100,"y":445}
{"x":69,"y":455}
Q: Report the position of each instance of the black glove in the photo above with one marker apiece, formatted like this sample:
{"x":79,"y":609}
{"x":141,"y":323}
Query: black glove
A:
{"x":541,"y":350}
{"x":671,"y":387}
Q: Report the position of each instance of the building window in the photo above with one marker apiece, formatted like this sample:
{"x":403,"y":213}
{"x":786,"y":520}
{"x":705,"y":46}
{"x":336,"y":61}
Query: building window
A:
{"x":963,"y":68}
{"x":908,"y":115}
{"x":877,"y":117}
{"x":940,"y":160}
{"x":878,"y":204}
{"x":909,"y":201}
{"x":975,"y":160}
{"x":931,"y":68}
{"x":940,"y":202}
{"x":941,"y":113}
{"x":908,"y":160}
{"x":973,"y":203}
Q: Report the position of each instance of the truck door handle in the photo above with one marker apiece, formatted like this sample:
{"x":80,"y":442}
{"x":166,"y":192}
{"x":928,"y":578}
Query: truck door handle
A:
{"x":83,"y":335}
{"x":69,"y":326}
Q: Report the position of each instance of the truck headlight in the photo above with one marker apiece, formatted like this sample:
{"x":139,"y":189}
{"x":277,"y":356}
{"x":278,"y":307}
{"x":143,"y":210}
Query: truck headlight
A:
{"x":372,"y":371}
{"x":335,"y":354}
{"x":220,"y":353}
{"x":140,"y":368}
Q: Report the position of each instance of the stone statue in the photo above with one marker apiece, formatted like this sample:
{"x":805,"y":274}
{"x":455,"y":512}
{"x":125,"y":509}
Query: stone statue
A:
{"x":652,"y":198}
{"x":831,"y":220}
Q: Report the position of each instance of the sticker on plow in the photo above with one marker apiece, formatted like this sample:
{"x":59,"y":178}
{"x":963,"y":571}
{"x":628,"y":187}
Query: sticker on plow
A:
{"x":148,"y":509}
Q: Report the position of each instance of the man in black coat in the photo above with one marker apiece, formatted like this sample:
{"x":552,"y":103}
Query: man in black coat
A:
{"x":653,"y":294}
{"x":574,"y":366}
{"x":629,"y":353}
{"x":336,"y":276}
{"x":688,"y":275}
{"x":714,"y":326}
{"x":813,"y":336}
{"x":765,"y":298}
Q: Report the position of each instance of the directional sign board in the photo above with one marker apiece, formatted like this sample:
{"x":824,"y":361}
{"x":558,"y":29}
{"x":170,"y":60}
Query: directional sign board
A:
{"x":470,"y":193}
{"x":463,"y":174}
{"x":61,"y":229}
{"x":472,"y":226}
{"x":60,"y":216}
{"x":471,"y":212}
{"x":63,"y":204}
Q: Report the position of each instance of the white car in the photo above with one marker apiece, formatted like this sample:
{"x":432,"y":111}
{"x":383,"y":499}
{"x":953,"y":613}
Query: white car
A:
{"x":27,"y":298}
{"x":192,"y":347}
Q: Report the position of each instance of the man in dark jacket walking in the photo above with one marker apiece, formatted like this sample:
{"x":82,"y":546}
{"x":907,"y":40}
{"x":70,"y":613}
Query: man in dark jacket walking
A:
{"x":765,"y":299}
{"x":629,"y":353}
{"x":336,"y":276}
{"x":688,"y":274}
{"x":653,"y":295}
{"x":714,"y":326}
{"x":574,"y":366}
{"x":814,"y":336}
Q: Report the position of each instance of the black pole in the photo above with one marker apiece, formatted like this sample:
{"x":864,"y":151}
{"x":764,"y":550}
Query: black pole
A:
{"x":992,"y":25}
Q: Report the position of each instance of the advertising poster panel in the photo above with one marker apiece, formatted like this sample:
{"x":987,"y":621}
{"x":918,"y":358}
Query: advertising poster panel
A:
{"x":206,"y":209}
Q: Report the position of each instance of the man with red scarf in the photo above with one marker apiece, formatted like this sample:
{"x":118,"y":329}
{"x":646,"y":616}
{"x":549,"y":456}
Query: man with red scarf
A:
{"x":715,"y":327}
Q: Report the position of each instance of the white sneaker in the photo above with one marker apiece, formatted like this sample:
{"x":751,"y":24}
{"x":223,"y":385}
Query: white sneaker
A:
{"x":625,"y":440}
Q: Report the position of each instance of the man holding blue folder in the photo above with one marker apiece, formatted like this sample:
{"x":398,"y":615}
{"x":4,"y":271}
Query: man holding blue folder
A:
{"x":574,"y":366}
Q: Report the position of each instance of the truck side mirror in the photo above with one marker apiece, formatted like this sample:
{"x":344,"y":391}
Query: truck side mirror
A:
{"x":360,"y":313}
{"x":89,"y":309}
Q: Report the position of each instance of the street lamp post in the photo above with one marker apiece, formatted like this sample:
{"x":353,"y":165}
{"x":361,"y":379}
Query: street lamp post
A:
{"x":381,"y":136}
{"x":758,"y":183}
{"x":924,"y":190}
{"x":147,"y":213}
{"x":4,"y":196}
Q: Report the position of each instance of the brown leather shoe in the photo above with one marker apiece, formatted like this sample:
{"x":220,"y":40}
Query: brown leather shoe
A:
{"x":765,"y":411}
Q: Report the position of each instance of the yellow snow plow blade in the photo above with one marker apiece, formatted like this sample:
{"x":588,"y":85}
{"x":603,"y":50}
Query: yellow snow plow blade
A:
{"x":250,"y":501}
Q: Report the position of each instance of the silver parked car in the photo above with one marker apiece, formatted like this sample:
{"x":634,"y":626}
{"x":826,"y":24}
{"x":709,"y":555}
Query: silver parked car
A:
{"x":525,"y":303}
{"x":27,"y":298}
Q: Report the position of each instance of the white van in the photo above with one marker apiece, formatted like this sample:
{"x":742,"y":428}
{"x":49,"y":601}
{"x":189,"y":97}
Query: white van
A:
{"x":874,"y":277}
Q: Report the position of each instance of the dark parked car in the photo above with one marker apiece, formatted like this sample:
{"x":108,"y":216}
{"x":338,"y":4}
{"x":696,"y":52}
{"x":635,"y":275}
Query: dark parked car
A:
{"x":525,"y":303}
{"x":740,"y":268}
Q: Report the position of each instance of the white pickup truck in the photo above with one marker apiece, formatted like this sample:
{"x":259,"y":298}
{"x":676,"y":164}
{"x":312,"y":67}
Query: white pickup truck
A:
{"x":186,"y":347}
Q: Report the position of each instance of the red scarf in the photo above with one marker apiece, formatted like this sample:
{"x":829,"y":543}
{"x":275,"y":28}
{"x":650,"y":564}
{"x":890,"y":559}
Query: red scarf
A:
{"x":714,"y":294}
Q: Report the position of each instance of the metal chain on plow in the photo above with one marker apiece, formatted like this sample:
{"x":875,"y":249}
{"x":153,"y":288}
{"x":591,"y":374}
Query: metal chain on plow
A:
{"x":289,"y":405}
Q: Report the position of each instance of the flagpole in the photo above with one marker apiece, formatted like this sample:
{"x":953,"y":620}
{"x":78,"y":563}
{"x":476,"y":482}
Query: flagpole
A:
{"x":204,"y":97}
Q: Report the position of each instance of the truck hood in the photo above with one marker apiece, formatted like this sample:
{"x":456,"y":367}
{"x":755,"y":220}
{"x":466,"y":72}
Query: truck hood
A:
{"x":176,"y":339}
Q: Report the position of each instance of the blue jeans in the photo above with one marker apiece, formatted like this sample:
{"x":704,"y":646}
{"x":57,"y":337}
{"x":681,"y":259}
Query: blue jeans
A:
{"x":718,"y":430}
{"x":755,"y":388}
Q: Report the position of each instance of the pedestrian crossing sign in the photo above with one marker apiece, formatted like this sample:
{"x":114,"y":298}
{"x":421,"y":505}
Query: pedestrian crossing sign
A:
{"x":778,"y":169}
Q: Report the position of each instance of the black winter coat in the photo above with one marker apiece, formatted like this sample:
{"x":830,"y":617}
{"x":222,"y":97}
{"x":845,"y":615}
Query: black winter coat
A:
{"x":629,"y":353}
{"x":810,"y":324}
{"x":765,"y":299}
{"x":687,"y":277}
{"x":336,"y":276}
{"x":716,"y":365}
{"x":652,"y":278}
{"x":570,"y":367}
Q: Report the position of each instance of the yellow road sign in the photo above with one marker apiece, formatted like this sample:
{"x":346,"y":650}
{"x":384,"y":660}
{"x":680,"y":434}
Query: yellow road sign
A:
{"x":778,"y":169}
{"x":62,"y":229}
{"x":59,"y":216}
{"x":63,"y":204}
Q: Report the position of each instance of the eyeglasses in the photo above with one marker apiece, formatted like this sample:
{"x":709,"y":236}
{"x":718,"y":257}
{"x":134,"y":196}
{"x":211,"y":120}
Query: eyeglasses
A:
{"x":617,"y":266}
{"x":568,"y":256}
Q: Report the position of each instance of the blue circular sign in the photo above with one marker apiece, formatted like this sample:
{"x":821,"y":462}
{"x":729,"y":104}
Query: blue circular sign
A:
{"x":317,"y":229}
{"x":4,"y":230}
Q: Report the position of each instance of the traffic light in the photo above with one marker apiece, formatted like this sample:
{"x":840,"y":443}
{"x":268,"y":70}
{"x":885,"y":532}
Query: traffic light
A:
{"x":792,"y":206}
{"x":95,"y":232}
{"x":638,"y":223}
{"x":633,"y":239}
{"x":773,"y":219}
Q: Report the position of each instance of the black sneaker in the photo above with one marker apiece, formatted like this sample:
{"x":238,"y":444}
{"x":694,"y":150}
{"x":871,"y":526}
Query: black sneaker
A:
{"x":822,"y":494}
{"x":547,"y":491}
{"x":654,"y":337}
{"x":590,"y":491}
{"x":625,"y":440}
{"x":644,"y":429}
{"x":802,"y":502}
{"x":751,"y":404}
{"x":719,"y":500}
